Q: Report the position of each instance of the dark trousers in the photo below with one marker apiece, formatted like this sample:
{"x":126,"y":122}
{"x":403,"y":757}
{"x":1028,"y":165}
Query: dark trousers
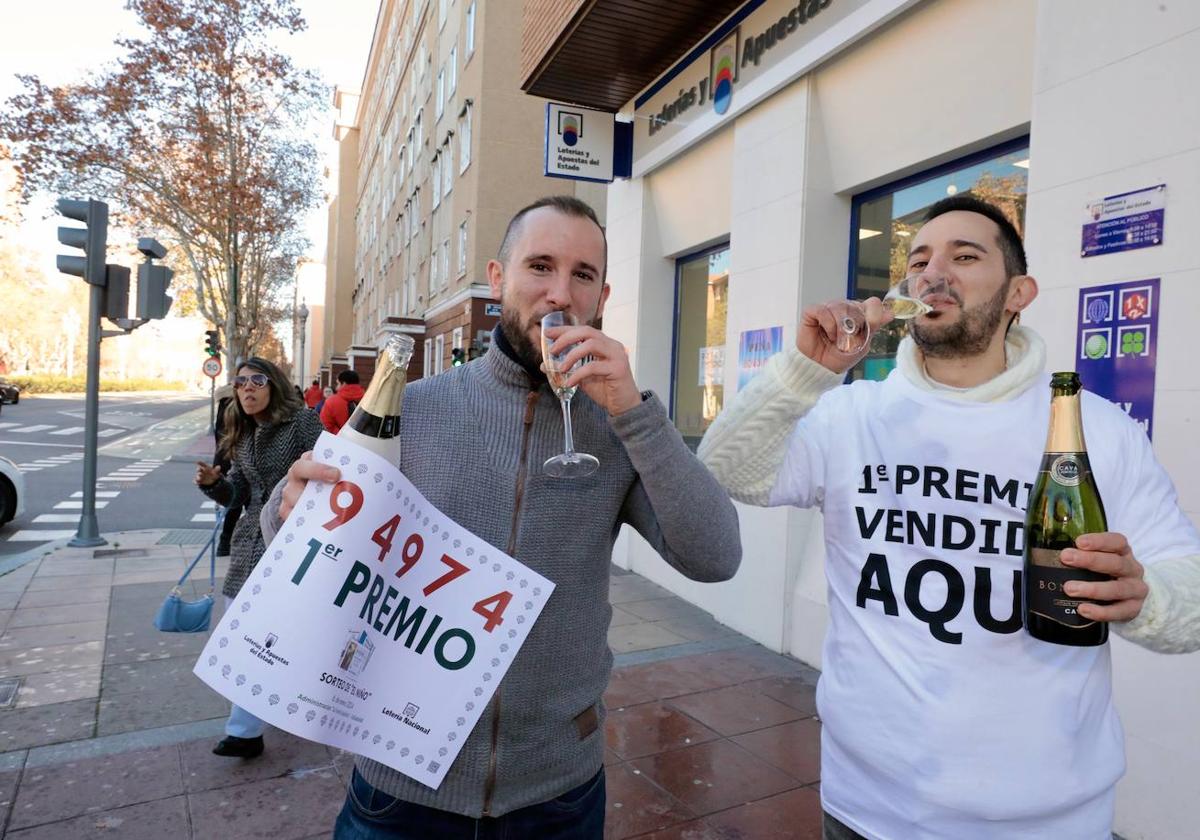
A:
{"x":835,"y":829}
{"x":370,"y":814}
{"x":231,"y":518}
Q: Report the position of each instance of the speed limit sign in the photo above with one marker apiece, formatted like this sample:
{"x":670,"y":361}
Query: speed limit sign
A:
{"x":212,"y":367}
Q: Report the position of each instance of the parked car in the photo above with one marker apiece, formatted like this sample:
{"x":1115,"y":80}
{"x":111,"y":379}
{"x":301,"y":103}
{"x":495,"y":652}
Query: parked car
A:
{"x":12,"y":491}
{"x":9,"y":393}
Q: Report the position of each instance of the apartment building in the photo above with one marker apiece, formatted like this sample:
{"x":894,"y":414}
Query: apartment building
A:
{"x":436,"y":152}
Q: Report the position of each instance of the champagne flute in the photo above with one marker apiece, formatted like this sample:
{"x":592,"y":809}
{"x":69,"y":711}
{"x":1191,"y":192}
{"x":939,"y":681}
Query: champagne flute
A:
{"x":907,"y":299}
{"x":570,"y":464}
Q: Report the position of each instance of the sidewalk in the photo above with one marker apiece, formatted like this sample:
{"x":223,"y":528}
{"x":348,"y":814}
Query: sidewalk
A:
{"x":104,"y":731}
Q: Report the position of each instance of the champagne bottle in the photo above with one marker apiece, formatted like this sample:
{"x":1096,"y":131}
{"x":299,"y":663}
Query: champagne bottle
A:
{"x":375,"y":423}
{"x":1064,"y":504}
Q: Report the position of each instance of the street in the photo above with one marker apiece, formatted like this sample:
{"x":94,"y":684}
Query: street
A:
{"x":148,"y":443}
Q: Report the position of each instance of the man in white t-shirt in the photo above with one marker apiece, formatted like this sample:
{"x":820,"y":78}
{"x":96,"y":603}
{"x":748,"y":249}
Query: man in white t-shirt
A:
{"x":942,"y":717}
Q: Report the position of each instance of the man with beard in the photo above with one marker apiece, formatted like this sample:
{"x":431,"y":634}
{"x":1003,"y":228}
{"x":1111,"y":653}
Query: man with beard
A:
{"x":941,"y":717}
{"x":473,"y":441}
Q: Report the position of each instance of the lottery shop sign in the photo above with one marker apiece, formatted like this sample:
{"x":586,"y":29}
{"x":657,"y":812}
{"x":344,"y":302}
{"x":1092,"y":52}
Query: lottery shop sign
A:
{"x":373,"y":622}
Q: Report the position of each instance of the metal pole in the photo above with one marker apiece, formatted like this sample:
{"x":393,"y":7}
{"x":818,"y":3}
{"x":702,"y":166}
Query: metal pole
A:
{"x":89,"y":528}
{"x":212,"y":405}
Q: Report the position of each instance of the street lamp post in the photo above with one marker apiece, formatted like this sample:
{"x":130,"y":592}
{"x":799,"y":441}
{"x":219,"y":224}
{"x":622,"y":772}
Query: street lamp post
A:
{"x":302,"y":314}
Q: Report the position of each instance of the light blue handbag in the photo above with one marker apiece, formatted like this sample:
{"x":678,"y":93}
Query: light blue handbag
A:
{"x":179,"y":616}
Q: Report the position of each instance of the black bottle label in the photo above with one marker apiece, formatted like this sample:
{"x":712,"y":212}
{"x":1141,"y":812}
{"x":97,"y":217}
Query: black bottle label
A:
{"x":1044,"y":589}
{"x":1066,"y":470}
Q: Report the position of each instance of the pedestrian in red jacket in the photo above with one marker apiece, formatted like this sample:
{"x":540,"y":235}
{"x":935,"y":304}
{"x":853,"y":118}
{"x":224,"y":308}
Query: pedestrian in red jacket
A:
{"x":312,"y":395}
{"x":341,"y":405}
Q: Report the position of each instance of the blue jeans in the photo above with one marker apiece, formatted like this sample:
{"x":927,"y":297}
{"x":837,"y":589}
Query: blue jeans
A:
{"x":370,"y":814}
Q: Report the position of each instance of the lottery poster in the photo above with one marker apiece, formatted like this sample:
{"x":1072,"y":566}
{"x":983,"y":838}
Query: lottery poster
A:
{"x":374,"y":623}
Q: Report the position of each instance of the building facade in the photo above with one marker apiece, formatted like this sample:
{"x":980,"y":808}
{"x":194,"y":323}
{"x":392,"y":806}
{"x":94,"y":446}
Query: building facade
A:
{"x":783,"y":154}
{"x":436,"y":153}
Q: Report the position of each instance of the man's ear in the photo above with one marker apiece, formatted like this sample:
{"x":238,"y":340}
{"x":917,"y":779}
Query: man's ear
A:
{"x":604,"y":293}
{"x":495,"y":275}
{"x":1022,"y":293}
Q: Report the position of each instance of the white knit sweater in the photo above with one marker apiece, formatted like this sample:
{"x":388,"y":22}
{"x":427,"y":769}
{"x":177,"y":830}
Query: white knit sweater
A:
{"x":746,"y":444}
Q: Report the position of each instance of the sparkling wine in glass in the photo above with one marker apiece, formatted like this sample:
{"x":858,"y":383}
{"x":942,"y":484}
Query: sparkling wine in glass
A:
{"x":907,"y":299}
{"x":570,"y":464}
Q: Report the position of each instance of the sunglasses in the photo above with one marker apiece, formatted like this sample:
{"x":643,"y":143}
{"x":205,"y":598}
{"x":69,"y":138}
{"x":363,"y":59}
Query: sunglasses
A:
{"x":258,"y":380}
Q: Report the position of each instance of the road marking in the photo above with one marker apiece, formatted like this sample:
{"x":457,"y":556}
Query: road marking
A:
{"x":73,"y":505}
{"x":39,"y":443}
{"x":68,"y":431}
{"x":209,"y":505}
{"x":100,"y":494}
{"x":56,"y":517}
{"x":9,"y":425}
{"x":28,"y":430}
{"x":40,"y":536}
{"x":204,"y":517}
{"x":110,"y":432}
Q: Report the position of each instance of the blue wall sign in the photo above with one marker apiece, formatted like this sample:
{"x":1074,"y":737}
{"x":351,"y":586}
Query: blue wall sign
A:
{"x":1124,"y":222}
{"x":1116,"y":345}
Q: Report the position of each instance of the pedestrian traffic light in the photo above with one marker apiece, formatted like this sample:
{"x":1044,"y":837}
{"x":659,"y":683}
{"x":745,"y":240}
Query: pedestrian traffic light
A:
{"x":212,"y":343}
{"x":92,"y":239}
{"x":456,"y":357}
{"x":474,"y":353}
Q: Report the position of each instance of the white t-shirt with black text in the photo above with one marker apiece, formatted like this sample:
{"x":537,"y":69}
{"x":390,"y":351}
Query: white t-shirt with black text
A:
{"x":942,"y":717}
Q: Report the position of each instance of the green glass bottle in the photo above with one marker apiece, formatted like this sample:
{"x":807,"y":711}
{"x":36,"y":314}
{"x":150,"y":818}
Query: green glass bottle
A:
{"x":1064,"y":504}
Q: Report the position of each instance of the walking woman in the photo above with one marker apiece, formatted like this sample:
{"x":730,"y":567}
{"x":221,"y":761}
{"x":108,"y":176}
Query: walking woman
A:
{"x":266,"y":429}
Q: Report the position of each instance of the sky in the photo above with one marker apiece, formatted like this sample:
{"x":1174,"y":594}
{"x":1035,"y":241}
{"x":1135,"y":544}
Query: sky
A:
{"x":59,"y":40}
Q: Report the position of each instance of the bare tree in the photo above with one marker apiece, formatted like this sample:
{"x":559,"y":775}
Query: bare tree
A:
{"x":200,"y":133}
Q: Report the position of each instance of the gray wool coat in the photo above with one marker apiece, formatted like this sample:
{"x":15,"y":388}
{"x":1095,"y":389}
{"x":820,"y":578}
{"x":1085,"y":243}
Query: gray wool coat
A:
{"x":258,"y":465}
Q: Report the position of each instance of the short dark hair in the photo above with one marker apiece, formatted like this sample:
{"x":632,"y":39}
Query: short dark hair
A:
{"x":315,"y":382}
{"x":348,"y":377}
{"x":568,"y":205}
{"x":1010,"y":241}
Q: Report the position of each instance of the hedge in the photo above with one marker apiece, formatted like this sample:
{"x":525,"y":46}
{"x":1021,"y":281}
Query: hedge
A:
{"x":49,"y":384}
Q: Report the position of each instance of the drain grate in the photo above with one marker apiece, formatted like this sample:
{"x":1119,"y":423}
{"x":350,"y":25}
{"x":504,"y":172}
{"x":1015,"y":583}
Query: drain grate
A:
{"x":8,"y":691}
{"x":185,"y":536}
{"x":120,"y":552}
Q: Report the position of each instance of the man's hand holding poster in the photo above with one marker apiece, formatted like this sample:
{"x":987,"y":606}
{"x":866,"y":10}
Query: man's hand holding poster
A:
{"x":373,"y":622}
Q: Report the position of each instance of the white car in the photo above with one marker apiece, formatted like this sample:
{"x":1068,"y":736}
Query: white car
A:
{"x":12,"y":491}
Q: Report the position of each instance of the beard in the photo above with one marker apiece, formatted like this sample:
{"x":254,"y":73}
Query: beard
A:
{"x":517,"y":333}
{"x":969,"y":336}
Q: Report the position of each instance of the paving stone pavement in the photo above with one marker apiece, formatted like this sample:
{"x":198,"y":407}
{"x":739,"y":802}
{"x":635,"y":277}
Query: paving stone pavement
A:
{"x":109,"y":734}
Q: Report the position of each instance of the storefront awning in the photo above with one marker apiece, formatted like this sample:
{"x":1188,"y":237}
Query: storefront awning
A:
{"x":610,"y":50}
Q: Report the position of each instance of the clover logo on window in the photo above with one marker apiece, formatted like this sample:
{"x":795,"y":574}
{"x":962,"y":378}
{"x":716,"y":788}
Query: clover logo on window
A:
{"x":1133,"y":343}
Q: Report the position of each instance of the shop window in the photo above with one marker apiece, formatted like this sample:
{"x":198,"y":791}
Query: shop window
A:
{"x":698,"y":375}
{"x":884,"y":220}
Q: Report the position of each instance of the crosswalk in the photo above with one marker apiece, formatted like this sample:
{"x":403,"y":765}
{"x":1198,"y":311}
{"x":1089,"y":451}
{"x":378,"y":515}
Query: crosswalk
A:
{"x":50,"y":461}
{"x":64,"y":433}
{"x":68,"y":511}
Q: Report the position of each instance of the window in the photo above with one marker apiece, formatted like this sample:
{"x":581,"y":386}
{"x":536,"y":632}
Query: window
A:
{"x":884,"y":220}
{"x":462,"y":249}
{"x":439,"y":350}
{"x":427,"y":365}
{"x":464,"y":135}
{"x":698,"y":377}
{"x":441,"y":92}
{"x":418,"y":136}
{"x":470,"y":37}
{"x":401,"y":167}
{"x":442,"y":6}
{"x":436,"y":179}
{"x":447,"y":170}
{"x":456,"y":338}
{"x":434,"y":262}
{"x":452,"y":71}
{"x":445,"y":269}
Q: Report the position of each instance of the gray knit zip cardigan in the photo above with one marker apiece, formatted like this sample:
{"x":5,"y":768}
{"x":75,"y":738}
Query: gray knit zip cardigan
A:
{"x":467,"y":447}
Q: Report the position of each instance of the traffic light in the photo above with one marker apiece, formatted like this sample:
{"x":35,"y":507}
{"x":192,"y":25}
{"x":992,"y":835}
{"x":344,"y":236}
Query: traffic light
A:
{"x":92,"y":239}
{"x":474,"y":353}
{"x":152,"y":298}
{"x":212,"y":342}
{"x":456,"y":357}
